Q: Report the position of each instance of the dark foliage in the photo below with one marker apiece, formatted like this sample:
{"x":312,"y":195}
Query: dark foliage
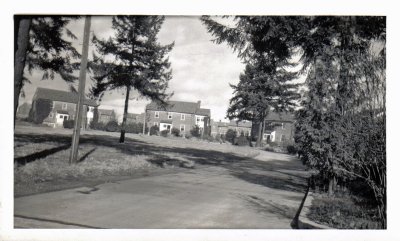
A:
{"x":175,"y":131}
{"x":242,"y":140}
{"x":230,"y":136}
{"x":68,"y":124}
{"x":195,"y":131}
{"x":164,"y":133}
{"x":112,"y":126}
{"x":154,"y":130}
{"x":41,"y":111}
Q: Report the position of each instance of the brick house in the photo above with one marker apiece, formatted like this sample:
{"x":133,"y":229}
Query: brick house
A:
{"x":178,"y":114}
{"x":220,"y":128}
{"x":134,"y":118}
{"x":106,"y":116}
{"x":279,"y":127}
{"x":63,"y":106}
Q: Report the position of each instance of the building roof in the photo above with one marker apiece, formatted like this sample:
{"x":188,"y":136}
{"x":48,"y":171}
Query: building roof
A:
{"x":59,"y":95}
{"x":235,"y":123}
{"x":281,"y":116}
{"x":202,"y":111}
{"x":105,"y":112}
{"x":180,"y":107}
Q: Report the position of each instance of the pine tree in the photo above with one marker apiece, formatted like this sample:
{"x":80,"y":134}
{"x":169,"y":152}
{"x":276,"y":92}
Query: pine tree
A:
{"x":138,"y":62}
{"x":258,"y":93}
{"x":39,"y":45}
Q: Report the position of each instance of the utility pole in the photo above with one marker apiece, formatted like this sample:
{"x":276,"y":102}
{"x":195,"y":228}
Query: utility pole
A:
{"x":81,"y":90}
{"x":144,"y":122}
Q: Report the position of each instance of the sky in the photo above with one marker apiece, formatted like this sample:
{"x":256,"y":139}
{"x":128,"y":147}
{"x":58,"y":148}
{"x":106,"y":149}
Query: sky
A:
{"x":201,"y":69}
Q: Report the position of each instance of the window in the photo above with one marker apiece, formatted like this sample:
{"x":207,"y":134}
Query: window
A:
{"x":156,"y":114}
{"x":198,"y":119}
{"x":51,"y":115}
{"x":182,"y":116}
{"x":165,"y":126}
{"x":169,"y":115}
{"x":283,"y":125}
{"x":182,"y":127}
{"x":64,"y":106}
{"x":283,"y":138}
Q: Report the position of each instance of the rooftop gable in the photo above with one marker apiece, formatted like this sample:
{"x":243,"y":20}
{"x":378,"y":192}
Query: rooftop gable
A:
{"x":179,"y":107}
{"x":63,"y":96}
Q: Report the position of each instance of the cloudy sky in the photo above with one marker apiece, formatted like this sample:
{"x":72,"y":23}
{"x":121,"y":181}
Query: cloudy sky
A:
{"x":202,"y":70}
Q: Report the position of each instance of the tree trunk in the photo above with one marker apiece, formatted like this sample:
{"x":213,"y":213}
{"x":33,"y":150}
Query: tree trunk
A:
{"x":331,"y":187}
{"x":262,"y":130}
{"x":122,"y":137}
{"x":259,"y":137}
{"x":19,"y":59}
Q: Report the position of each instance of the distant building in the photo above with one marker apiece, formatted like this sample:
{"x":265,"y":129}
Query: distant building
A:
{"x":135,"y":118}
{"x":220,"y":128}
{"x":279,"y":127}
{"x":178,"y":114}
{"x":23,"y":110}
{"x":63,"y":106}
{"x":106,"y":115}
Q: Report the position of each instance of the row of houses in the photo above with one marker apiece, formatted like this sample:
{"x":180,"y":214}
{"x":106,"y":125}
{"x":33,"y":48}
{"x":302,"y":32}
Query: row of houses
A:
{"x":176,"y":114}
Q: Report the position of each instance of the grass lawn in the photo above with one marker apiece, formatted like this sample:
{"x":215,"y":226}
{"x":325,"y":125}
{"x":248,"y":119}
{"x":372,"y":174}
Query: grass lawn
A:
{"x":343,"y":212}
{"x":43,"y":154}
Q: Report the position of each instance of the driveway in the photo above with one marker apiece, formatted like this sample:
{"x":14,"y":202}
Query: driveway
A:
{"x":263,"y":192}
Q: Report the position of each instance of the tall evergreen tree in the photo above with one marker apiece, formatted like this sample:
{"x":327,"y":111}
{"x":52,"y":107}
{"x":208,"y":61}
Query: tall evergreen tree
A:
{"x":258,"y":93}
{"x":345,"y":82}
{"x":39,"y":45}
{"x":137,"y":61}
{"x":267,"y":51}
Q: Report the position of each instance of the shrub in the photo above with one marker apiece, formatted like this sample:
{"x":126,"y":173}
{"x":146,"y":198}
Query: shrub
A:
{"x":273,"y":144}
{"x":188,"y":136}
{"x":175,"y":131}
{"x":208,"y":138}
{"x":43,"y":109}
{"x":69,"y":124}
{"x":98,"y":126}
{"x":291,"y":149}
{"x":112,"y":126}
{"x":134,"y":128}
{"x":164,"y":133}
{"x":230,"y":136}
{"x":242,"y":141}
{"x":195,"y":131}
{"x":154,"y":130}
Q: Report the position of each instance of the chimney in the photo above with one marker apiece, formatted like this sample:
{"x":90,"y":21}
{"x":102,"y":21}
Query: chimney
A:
{"x":198,"y":104}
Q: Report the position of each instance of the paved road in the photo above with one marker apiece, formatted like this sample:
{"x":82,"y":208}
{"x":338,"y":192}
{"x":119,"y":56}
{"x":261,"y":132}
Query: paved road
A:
{"x":263,"y":192}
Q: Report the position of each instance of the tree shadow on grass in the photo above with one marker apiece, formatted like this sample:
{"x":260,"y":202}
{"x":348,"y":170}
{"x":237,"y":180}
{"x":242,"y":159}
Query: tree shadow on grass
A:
{"x":286,"y":175}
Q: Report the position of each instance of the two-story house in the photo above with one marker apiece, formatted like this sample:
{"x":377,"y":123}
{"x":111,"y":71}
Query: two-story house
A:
{"x":177,"y":114}
{"x":279,"y":127}
{"x":62,"y":106}
{"x":135,"y":118}
{"x":106,"y":115}
{"x":220,"y":128}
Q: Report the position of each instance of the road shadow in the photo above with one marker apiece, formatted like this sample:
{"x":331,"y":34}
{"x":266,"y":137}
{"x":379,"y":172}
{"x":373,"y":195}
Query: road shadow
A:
{"x":286,"y":175}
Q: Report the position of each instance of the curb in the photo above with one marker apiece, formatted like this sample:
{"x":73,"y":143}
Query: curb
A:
{"x":303,"y":221}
